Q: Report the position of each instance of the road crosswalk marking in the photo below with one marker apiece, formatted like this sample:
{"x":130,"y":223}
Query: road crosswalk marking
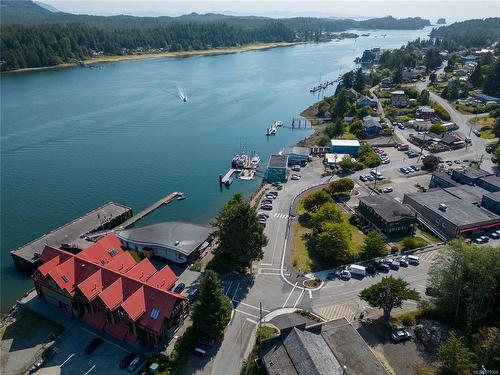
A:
{"x":336,"y":311}
{"x":281,"y":216}
{"x":429,"y":256}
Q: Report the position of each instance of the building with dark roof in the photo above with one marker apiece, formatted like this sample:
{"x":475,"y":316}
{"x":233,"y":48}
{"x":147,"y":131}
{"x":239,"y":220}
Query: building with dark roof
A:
{"x":469,"y":176}
{"x":371,"y":126}
{"x":491,"y":201}
{"x":277,"y":168}
{"x":387,"y":214}
{"x":441,"y":179}
{"x":297,"y":155}
{"x":175,"y":241}
{"x":333,"y":348}
{"x":489,"y":183}
{"x":365,"y":101}
{"x":452,"y":212}
{"x":108,"y":289}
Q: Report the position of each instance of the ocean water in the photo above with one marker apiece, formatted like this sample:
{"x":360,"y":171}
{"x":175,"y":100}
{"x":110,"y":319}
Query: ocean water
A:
{"x":73,"y":139}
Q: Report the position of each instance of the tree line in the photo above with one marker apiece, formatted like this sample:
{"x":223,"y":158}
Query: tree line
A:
{"x":23,"y":46}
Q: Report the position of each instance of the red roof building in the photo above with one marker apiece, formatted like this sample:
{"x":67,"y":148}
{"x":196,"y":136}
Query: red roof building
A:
{"x":106,"y":287}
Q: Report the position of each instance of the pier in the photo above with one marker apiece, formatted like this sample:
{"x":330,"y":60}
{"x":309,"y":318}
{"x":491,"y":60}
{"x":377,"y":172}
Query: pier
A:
{"x":227,"y":179}
{"x":165,"y":200}
{"x":71,"y":236}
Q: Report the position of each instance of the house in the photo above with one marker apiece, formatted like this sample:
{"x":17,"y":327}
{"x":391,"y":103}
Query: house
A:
{"x":297,"y":155}
{"x":399,"y":98}
{"x":387,"y":214}
{"x":368,"y":56}
{"x":469,"y":176}
{"x":174,"y":241}
{"x":421,"y":140}
{"x":425,"y":113}
{"x":452,"y":212}
{"x":365,"y":101}
{"x":485,"y":98}
{"x":386,"y":83}
{"x":351,"y":94}
{"x":452,"y":140}
{"x":371,"y":126}
{"x":344,"y":146}
{"x":329,"y":348}
{"x":277,"y":168}
{"x":108,"y":289}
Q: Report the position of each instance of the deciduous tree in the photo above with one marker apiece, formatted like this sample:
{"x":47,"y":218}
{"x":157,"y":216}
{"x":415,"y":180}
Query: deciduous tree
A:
{"x":374,"y":246}
{"x":315,"y":200}
{"x":388,"y":294}
{"x":333,"y":242}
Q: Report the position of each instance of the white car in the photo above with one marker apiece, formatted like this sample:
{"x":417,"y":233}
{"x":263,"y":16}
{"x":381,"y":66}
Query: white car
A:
{"x":295,"y":177}
{"x":387,"y":190}
{"x":345,"y":275}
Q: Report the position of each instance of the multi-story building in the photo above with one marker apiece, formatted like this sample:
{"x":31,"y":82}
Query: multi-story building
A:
{"x":108,"y":289}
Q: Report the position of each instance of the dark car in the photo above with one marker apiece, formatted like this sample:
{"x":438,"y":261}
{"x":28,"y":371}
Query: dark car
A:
{"x":193,"y":294}
{"x":370,"y":269}
{"x":265,"y":207}
{"x":126,"y":360}
{"x":381,"y":266}
{"x":401,"y":335}
{"x":205,"y":341}
{"x":395,"y":265}
{"x":179,"y":288}
{"x":89,"y":349}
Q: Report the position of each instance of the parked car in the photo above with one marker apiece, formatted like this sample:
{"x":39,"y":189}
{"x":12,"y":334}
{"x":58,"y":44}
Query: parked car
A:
{"x":395,"y":265}
{"x":370,"y":269}
{"x":199,"y":352}
{"x":205,"y":341}
{"x":89,"y":349}
{"x":477,"y":132}
{"x":403,"y":262}
{"x":135,"y":364}
{"x":385,"y":161}
{"x":370,"y":178}
{"x":379,"y":177}
{"x":296,"y":168}
{"x":468,"y":140}
{"x":415,"y":168}
{"x":387,"y":190}
{"x":485,"y":238}
{"x":494,"y":235}
{"x":263,"y":214}
{"x":125,"y":362}
{"x":193,"y":294}
{"x":479,"y":240}
{"x":381,"y":266}
{"x":295,"y":177}
{"x":345,"y":275}
{"x":179,"y":288}
{"x":401,"y":335}
{"x":363,"y":178}
{"x":266,"y":207}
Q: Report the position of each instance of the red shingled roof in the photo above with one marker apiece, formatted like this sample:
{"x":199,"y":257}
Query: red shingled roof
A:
{"x":104,"y":270}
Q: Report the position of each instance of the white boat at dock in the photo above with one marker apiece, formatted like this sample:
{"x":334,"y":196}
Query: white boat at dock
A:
{"x":255,"y":161}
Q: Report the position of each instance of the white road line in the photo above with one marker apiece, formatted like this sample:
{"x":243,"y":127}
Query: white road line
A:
{"x":266,"y":264}
{"x":310,"y":294}
{"x":268,"y":274}
{"x":229,"y":287}
{"x":289,"y":295}
{"x":252,"y":306}
{"x":109,"y":342}
{"x":252,"y":321}
{"x":245,"y":313}
{"x":271,"y":269}
{"x":93,"y":367}
{"x":298,"y":299}
{"x":236,"y":290}
{"x":66,"y":360}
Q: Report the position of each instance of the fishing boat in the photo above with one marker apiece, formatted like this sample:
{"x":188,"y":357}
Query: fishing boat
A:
{"x":181,"y":197}
{"x":273,"y":131}
{"x":234,"y":161}
{"x":278,"y":123}
{"x":268,"y":131}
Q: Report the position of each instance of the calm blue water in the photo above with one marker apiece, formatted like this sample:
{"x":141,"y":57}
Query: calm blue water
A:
{"x":73,"y":139}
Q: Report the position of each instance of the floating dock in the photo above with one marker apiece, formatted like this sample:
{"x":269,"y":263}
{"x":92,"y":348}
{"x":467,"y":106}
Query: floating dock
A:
{"x":70,"y":236}
{"x":227,"y":179}
{"x":165,"y":200}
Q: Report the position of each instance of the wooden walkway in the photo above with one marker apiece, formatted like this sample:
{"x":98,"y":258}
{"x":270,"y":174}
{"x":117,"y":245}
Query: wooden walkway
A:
{"x":165,"y":200}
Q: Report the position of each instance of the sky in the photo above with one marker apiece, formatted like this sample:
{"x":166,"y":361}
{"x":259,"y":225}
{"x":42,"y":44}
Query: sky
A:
{"x":452,"y":10}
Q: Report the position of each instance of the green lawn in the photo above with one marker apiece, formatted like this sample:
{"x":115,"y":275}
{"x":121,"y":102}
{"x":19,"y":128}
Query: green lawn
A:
{"x":416,"y":243}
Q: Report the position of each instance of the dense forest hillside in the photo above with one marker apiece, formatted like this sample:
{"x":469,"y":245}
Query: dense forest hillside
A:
{"x":471,"y":33}
{"x":32,"y":36}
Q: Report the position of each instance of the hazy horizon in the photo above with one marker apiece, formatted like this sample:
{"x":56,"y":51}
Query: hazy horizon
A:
{"x":451,"y":10}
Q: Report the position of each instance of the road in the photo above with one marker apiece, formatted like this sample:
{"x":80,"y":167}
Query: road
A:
{"x":275,"y":287}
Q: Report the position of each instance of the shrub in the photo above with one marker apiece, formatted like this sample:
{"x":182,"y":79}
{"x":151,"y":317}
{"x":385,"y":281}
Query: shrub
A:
{"x":410,"y":243}
{"x":409,"y":319}
{"x":196,"y":267}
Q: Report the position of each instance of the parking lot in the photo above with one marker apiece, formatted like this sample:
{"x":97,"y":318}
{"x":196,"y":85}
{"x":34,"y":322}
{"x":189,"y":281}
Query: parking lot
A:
{"x":71,"y":358}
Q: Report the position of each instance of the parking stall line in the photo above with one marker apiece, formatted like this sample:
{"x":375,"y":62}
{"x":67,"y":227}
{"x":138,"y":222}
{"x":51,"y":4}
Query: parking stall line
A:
{"x":88,"y":372}
{"x":236,"y":290}
{"x":66,"y":360}
{"x":251,"y":306}
{"x":229,"y":287}
{"x":251,"y":321}
{"x":266,"y":264}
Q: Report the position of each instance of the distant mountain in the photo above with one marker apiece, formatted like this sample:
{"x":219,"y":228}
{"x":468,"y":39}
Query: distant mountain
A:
{"x":12,"y":11}
{"x":47,"y":6}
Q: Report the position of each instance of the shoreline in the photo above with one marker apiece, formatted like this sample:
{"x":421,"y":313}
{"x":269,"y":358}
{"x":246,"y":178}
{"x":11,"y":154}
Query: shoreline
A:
{"x":156,"y":55}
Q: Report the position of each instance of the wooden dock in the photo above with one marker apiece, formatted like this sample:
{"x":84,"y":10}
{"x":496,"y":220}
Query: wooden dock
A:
{"x":165,"y":200}
{"x":225,"y":180}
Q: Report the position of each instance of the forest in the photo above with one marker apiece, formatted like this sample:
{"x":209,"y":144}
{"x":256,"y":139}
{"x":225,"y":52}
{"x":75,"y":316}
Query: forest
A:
{"x":471,"y":33}
{"x":32,"y":36}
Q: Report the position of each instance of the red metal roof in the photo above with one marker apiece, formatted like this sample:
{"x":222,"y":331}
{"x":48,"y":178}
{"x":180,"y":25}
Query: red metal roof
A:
{"x":104,"y":270}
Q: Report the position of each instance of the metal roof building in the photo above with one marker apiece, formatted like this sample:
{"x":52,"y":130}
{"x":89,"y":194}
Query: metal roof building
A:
{"x":277,"y":168}
{"x":175,"y":241}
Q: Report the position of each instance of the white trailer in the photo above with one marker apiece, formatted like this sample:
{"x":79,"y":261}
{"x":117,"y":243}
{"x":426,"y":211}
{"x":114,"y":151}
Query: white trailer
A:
{"x":357,"y":270}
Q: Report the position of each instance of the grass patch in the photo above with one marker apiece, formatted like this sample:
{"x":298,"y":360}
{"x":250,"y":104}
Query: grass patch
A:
{"x":196,"y":267}
{"x":428,"y":234}
{"x":249,"y":366}
{"x":301,"y":259}
{"x":358,"y":237}
{"x":408,"y":319}
{"x":135,"y":254}
{"x":410,"y":243}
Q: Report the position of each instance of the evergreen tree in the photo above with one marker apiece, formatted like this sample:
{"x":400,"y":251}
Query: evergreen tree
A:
{"x":456,"y":357}
{"x":212,"y":312}
{"x":359,"y":80}
{"x":240,"y":234}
